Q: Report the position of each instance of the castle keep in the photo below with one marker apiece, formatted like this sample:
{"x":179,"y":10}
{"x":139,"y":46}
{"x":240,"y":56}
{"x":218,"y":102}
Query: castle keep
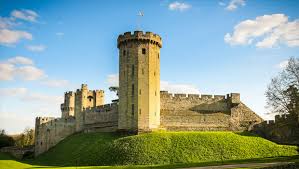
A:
{"x":142,"y":107}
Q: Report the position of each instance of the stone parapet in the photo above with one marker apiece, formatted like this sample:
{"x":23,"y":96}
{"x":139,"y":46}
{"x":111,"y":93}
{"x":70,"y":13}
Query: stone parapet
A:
{"x":139,"y":36}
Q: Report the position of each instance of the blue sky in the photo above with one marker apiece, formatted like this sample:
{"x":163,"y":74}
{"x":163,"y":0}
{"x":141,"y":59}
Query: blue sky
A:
{"x":209,"y":47}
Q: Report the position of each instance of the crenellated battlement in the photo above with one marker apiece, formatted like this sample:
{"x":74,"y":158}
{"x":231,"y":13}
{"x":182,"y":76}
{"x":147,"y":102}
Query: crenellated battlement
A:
{"x":235,"y":97}
{"x":101,"y":108}
{"x":279,"y":119}
{"x":49,"y":121}
{"x":99,"y":91}
{"x":42,"y":120}
{"x":139,"y":36}
{"x":283,"y":130}
{"x":69,"y":93}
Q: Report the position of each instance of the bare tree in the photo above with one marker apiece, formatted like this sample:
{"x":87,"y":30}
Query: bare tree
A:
{"x":26,"y":138}
{"x":282,"y":93}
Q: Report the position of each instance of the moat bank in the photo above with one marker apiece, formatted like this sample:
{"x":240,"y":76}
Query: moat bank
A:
{"x":160,"y":148}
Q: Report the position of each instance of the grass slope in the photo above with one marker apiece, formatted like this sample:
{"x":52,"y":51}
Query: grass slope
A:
{"x":159,"y":148}
{"x":7,"y":162}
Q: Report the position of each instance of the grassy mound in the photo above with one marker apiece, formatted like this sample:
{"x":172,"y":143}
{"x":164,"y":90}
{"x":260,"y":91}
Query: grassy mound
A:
{"x":9,"y":162}
{"x":160,"y":148}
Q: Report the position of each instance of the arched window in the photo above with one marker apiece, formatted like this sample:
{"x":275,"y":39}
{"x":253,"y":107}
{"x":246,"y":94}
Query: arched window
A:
{"x":90,"y":98}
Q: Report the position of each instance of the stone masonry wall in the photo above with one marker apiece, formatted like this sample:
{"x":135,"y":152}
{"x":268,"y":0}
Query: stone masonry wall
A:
{"x":49,"y":131}
{"x":101,"y":118}
{"x":181,"y":112}
{"x":283,"y":130}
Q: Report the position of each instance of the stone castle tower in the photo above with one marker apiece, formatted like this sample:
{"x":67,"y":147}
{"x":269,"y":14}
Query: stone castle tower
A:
{"x":68,"y":107}
{"x":76,"y":102}
{"x":139,"y":81}
{"x":85,"y":98}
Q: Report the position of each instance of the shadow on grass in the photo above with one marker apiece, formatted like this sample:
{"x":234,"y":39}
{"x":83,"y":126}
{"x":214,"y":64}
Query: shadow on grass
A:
{"x":181,"y":165}
{"x":247,"y":133}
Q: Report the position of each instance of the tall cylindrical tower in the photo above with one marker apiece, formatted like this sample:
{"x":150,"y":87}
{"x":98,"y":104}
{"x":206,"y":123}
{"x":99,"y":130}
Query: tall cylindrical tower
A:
{"x":139,"y":81}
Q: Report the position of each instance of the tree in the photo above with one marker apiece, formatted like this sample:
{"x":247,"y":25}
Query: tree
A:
{"x":2,"y":132}
{"x":5,"y":140}
{"x":282,"y":93}
{"x":26,"y":138}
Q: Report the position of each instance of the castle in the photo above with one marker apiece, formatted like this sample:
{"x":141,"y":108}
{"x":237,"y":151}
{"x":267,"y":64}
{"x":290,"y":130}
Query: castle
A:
{"x":141,"y":106}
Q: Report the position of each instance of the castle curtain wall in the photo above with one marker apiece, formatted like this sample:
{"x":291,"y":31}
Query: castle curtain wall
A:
{"x":49,"y":131}
{"x":181,"y":112}
{"x":102,"y":118}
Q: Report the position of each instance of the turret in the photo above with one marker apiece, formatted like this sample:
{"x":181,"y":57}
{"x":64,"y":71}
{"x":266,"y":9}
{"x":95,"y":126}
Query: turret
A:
{"x":139,"y":81}
{"x":68,"y":107}
{"x":85,"y":98}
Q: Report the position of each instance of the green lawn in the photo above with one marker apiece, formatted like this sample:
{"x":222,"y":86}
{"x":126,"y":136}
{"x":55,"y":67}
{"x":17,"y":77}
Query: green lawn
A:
{"x":7,"y":162}
{"x":156,"y":150}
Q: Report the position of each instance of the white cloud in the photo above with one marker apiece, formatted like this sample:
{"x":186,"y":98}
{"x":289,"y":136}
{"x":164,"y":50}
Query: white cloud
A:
{"x":25,"y":95}
{"x":6,"y":71}
{"x":36,"y":48}
{"x":287,"y":33}
{"x":55,"y":83}
{"x":29,"y":73}
{"x":6,"y":22}
{"x":39,"y":97}
{"x":221,"y":3}
{"x":23,"y":68}
{"x":234,"y":4}
{"x":20,"y":67}
{"x":8,"y":37}
{"x":25,"y":14}
{"x":266,"y":31}
{"x":13,"y":91}
{"x":180,"y":6}
{"x":59,"y":33}
{"x":20,"y":60}
{"x":113,"y":80}
{"x":178,"y":88}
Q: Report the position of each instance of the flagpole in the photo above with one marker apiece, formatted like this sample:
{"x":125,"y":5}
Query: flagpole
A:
{"x":139,"y":15}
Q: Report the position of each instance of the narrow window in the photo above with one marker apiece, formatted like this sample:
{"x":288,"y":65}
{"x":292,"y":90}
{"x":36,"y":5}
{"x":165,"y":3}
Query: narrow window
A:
{"x":158,"y":56}
{"x":139,"y":111}
{"x":155,"y":93}
{"x":124,"y":52}
{"x":143,"y":51}
{"x":142,"y":70}
{"x":132,"y":89}
{"x":154,"y":73}
{"x":140,"y":91}
{"x":133,"y":70}
{"x":132,"y":109}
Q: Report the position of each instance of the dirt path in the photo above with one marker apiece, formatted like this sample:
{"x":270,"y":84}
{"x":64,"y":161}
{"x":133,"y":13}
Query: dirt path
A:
{"x":250,"y":165}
